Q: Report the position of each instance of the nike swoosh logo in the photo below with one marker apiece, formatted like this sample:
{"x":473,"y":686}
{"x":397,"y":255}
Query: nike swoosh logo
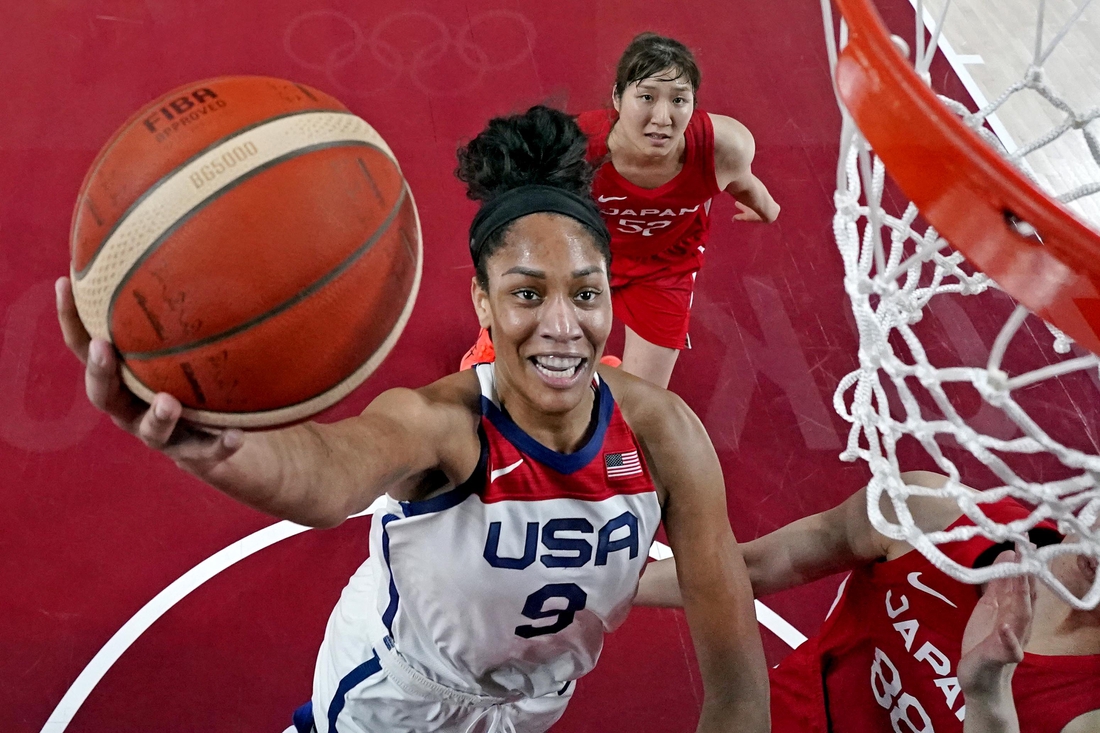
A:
{"x":605,"y":199}
{"x":494,"y":475}
{"x":925,"y":589}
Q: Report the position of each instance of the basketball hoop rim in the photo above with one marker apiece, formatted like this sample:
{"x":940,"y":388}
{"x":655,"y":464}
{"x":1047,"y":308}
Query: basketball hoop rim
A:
{"x":963,"y":188}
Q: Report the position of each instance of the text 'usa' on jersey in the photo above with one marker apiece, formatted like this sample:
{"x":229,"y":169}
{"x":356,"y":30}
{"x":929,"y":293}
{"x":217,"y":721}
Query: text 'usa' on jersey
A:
{"x":654,"y":226}
{"x":508,"y":583}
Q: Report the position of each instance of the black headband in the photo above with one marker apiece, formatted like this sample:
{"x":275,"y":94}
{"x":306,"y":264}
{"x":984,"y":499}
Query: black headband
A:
{"x":519,"y":202}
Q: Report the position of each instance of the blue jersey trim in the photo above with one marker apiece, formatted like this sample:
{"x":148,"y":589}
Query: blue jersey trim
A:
{"x":391,"y":610}
{"x":473,"y":485}
{"x":355,"y":677}
{"x":564,"y":463}
{"x":303,"y":718}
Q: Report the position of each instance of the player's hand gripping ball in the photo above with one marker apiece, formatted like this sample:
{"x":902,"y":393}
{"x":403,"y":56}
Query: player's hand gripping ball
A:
{"x":249,"y":246}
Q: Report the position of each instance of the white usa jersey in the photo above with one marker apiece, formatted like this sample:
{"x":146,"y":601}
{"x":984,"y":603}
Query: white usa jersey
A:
{"x":506,"y":585}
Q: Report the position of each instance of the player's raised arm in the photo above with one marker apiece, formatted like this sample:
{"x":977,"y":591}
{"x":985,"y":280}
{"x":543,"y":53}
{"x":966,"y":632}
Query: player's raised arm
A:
{"x":713,"y":580}
{"x":734,"y":150}
{"x":310,"y":473}
{"x":811,"y":548}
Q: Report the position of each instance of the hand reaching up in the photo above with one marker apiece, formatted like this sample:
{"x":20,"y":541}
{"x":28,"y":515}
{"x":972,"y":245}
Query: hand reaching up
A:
{"x":998,"y":628}
{"x":992,"y":645}
{"x":157,"y":425}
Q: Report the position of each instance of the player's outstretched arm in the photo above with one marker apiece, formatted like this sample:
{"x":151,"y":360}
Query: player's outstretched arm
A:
{"x":814,"y":547}
{"x":311,"y":473}
{"x":734,"y":150}
{"x":713,"y":581}
{"x":803,"y":551}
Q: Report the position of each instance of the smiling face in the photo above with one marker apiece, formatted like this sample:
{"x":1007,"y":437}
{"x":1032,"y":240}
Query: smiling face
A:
{"x":655,"y":111}
{"x":548,"y":308}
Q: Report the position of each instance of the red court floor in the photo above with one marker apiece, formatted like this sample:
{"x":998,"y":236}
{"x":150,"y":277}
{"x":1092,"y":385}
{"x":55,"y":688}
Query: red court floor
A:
{"x":92,"y":525}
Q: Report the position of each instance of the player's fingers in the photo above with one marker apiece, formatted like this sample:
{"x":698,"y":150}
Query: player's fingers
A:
{"x":104,"y":386}
{"x":1027,"y":609}
{"x":72,"y":330}
{"x":159,"y":421}
{"x":228,"y":443}
{"x":198,"y":451}
{"x":1014,"y":652}
{"x":1029,"y":583}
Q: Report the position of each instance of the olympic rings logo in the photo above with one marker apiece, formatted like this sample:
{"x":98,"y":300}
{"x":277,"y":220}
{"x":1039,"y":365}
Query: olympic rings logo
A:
{"x":389,"y":57}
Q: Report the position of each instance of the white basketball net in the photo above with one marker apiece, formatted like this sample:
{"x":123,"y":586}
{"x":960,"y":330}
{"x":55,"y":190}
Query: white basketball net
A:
{"x":892,"y":272}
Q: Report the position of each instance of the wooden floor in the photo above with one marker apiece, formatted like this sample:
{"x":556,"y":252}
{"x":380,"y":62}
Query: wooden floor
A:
{"x":995,"y":41}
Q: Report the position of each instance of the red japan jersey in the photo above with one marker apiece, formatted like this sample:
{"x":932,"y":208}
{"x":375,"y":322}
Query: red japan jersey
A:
{"x":1051,"y":691}
{"x":654,"y":230}
{"x":886,"y":657}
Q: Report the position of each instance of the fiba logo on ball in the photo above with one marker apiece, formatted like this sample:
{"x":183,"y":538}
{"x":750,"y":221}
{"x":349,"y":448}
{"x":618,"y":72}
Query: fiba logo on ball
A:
{"x":181,"y":111}
{"x":257,"y":264}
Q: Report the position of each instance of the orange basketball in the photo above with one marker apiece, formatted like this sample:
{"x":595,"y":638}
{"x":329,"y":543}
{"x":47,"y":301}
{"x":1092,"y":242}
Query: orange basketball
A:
{"x":249,"y":246}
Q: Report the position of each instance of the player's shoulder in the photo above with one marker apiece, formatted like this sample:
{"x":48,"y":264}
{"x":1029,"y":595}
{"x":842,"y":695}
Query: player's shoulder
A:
{"x":654,"y":414}
{"x":1087,"y":723}
{"x":445,"y":405}
{"x":931,"y":513}
{"x":734,"y":144}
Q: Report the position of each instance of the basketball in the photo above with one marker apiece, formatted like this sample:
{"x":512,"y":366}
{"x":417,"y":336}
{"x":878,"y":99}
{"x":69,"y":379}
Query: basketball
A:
{"x":249,"y":246}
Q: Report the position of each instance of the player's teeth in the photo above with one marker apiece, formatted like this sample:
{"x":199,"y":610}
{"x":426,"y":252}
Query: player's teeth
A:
{"x":559,"y":363}
{"x":557,"y":372}
{"x":557,"y":367}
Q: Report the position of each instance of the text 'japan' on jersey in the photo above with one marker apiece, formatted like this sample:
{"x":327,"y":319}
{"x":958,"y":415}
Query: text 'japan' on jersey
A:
{"x":654,"y":229}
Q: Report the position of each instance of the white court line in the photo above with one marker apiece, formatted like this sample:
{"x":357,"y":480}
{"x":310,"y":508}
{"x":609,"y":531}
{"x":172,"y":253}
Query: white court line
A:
{"x":137,"y":625}
{"x":779,"y":626}
{"x":767,"y":618}
{"x":106,"y":657}
{"x":958,"y":64}
{"x":124,"y":638}
{"x":660,"y":551}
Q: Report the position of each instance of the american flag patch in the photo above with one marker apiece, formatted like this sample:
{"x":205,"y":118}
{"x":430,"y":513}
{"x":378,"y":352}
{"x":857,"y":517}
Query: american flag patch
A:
{"x":622,"y":465}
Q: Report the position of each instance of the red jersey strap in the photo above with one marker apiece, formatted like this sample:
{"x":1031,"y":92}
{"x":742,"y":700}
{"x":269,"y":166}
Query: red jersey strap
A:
{"x":700,"y":131}
{"x":1051,"y":691}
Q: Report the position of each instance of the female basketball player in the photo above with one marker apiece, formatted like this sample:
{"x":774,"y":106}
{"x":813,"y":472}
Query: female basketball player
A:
{"x":519,"y":499}
{"x":906,"y":646}
{"x":660,"y":160}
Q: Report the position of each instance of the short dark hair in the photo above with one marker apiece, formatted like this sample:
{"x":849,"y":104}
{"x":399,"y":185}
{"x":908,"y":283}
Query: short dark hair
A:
{"x":542,"y":146}
{"x":1039,"y":536}
{"x":650,"y":54}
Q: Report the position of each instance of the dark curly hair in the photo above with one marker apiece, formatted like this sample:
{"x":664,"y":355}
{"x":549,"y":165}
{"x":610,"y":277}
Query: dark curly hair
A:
{"x":542,"y":146}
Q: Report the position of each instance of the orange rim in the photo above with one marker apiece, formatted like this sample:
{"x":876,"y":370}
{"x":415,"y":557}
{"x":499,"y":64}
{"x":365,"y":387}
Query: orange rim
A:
{"x":965,"y":189}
